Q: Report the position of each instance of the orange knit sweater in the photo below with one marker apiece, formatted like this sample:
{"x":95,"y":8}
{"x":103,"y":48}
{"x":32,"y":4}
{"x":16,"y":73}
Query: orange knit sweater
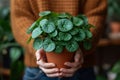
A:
{"x":25,"y":12}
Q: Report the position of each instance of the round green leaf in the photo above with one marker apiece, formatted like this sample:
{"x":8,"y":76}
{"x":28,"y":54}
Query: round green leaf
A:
{"x":36,"y":32}
{"x":43,"y":22}
{"x":31,"y":28}
{"x":65,"y":36}
{"x":72,"y":46}
{"x":87,"y":45}
{"x":15,"y":53}
{"x":57,"y":38}
{"x":88,"y":34}
{"x":116,"y":68}
{"x":48,"y":45}
{"x":47,"y":26}
{"x":84,"y":18}
{"x":58,"y":49}
{"x":74,"y":31}
{"x":77,"y":21}
{"x":53,"y":17}
{"x":64,"y":15}
{"x":80,"y":36}
{"x":38,"y":43}
{"x":45,"y":13}
{"x":53,"y":34}
{"x":87,"y":27}
{"x":64,"y":25}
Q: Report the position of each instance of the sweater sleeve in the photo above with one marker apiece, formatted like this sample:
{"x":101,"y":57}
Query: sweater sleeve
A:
{"x":96,"y":14}
{"x":21,"y":18}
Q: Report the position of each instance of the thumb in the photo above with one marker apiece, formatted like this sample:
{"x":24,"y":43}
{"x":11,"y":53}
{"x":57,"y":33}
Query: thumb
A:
{"x":77,"y":56}
{"x":39,"y":54}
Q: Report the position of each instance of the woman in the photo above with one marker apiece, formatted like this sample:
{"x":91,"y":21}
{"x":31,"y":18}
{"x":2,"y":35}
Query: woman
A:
{"x":25,"y":12}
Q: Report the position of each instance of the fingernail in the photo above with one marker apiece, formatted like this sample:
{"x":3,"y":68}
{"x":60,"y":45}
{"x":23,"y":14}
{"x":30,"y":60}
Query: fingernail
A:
{"x":61,"y":69}
{"x":38,"y":58}
{"x":53,"y":65}
{"x":56,"y":70}
{"x":60,"y":74}
{"x":77,"y":60}
{"x":66,"y":63}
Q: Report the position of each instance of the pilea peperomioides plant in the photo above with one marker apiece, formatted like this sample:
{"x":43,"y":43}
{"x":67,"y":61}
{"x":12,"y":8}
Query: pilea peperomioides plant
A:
{"x":55,"y":31}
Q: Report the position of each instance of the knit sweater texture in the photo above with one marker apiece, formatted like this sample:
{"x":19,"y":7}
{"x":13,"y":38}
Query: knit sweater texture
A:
{"x":25,"y":12}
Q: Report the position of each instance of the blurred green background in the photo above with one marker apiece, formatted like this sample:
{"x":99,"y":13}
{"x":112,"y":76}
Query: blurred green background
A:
{"x":108,"y":62}
{"x":11,"y":53}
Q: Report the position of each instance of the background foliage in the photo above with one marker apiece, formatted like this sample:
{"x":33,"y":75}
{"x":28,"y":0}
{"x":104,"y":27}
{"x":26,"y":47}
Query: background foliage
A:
{"x":9,"y":46}
{"x":113,"y":9}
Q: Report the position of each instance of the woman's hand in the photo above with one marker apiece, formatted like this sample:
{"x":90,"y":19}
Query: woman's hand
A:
{"x":48,"y":68}
{"x":78,"y":60}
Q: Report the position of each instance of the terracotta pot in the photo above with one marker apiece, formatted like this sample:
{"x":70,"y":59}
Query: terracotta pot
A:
{"x":60,"y":59}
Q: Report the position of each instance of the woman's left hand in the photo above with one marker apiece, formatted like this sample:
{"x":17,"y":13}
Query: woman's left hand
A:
{"x":74,"y":66}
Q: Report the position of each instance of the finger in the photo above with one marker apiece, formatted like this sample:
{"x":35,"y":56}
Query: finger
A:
{"x":72,"y":64}
{"x":39,"y":54}
{"x":68,"y":71}
{"x":45,"y":65}
{"x":66,"y":75}
{"x":53,"y":75}
{"x":77,"y":56}
{"x":50,"y":71}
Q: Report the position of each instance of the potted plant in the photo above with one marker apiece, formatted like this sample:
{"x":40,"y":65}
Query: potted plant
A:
{"x":60,"y":35}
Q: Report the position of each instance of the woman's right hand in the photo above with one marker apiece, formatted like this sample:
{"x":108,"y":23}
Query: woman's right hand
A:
{"x":48,"y":68}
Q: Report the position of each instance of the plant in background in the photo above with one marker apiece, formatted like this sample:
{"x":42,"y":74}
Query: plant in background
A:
{"x":116,"y":70}
{"x":6,"y":37}
{"x":113,"y":9}
{"x":53,"y":32}
{"x":8,"y":46}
